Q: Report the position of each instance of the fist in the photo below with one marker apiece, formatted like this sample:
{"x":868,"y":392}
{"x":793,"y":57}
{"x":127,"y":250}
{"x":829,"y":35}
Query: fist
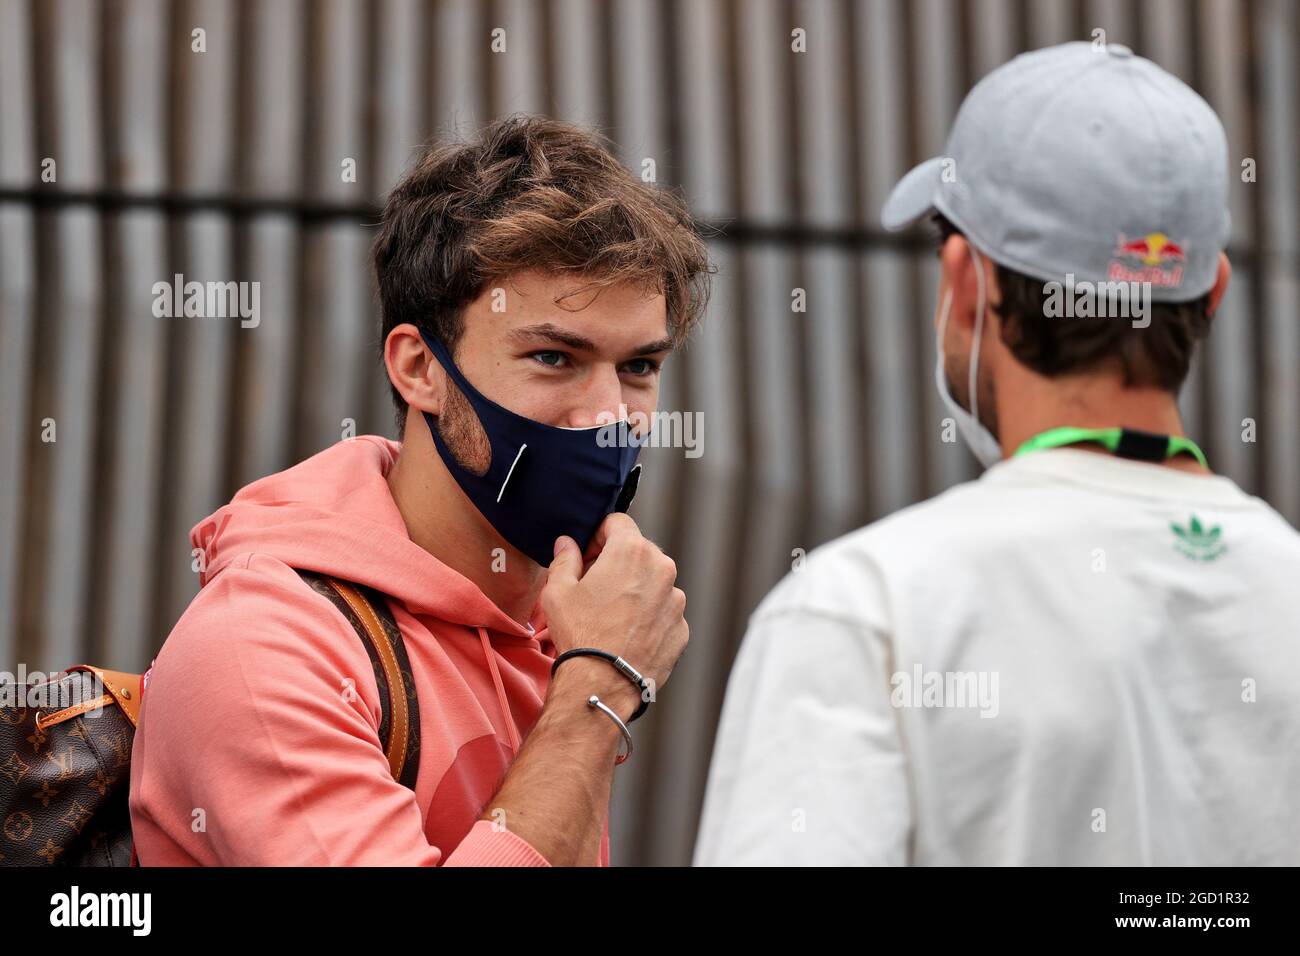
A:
{"x":622,"y":599}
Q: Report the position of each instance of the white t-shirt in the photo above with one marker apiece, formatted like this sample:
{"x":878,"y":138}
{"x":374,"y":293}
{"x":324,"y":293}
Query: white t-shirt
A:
{"x":1076,"y":659}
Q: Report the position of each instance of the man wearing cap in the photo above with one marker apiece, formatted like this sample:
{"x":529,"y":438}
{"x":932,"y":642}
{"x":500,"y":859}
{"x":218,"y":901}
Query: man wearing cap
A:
{"x":1090,"y":655}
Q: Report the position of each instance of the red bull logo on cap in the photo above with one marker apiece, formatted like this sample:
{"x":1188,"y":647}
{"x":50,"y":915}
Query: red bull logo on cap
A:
{"x":1153,"y":258}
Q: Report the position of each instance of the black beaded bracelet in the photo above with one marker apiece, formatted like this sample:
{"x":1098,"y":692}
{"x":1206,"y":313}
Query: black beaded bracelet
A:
{"x":622,"y":666}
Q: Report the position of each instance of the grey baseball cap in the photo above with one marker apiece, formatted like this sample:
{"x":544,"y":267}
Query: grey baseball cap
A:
{"x":1082,"y":160}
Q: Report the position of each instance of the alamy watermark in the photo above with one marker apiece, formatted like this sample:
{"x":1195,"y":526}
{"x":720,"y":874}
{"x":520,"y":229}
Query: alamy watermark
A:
{"x":1100,"y":300}
{"x":208,"y":300}
{"x":55,"y":691}
{"x":657,"y":429}
{"x":958,"y":689}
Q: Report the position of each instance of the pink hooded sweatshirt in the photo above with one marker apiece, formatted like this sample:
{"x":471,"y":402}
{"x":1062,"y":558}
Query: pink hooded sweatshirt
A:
{"x":258,"y":741}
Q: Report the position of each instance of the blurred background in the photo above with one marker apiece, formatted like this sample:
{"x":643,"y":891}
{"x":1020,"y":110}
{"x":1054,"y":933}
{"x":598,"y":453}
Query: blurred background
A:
{"x":228,"y":164}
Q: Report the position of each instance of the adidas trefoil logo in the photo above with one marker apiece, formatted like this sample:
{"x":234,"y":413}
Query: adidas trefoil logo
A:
{"x":1197,"y":542}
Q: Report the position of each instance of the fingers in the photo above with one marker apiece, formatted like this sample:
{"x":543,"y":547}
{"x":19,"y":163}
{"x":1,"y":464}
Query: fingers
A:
{"x":619,"y":543}
{"x":616,"y":526}
{"x":677,"y":601}
{"x":566,"y":567}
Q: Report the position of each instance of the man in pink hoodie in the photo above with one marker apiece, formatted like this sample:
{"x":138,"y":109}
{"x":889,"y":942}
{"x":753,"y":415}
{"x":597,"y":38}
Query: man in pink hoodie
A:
{"x":530,"y":290}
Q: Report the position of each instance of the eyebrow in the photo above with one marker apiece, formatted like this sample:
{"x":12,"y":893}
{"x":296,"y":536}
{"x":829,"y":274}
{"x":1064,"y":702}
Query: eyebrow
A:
{"x":553,"y":333}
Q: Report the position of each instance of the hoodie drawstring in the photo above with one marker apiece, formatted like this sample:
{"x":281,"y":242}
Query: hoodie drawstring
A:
{"x":501,"y":690}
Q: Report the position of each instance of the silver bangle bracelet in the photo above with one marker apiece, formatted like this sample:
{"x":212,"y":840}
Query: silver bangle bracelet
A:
{"x":594,"y":701}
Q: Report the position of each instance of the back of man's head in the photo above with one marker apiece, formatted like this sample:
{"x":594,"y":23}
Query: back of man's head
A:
{"x":1087,"y":175}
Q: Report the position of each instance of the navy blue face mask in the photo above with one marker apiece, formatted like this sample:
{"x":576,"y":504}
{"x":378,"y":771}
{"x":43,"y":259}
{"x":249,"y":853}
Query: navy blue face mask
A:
{"x":543,"y":481}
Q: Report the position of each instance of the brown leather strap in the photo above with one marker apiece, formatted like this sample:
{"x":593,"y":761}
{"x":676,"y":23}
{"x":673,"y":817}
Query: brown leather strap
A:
{"x":368,"y":613}
{"x":121,"y":688}
{"x":67,"y":713}
{"x":124,"y":687}
{"x":401,"y":715}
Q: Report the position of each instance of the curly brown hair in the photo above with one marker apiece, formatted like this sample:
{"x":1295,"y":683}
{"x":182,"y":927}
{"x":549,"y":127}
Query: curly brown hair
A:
{"x":1157,"y":355}
{"x":529,"y":193}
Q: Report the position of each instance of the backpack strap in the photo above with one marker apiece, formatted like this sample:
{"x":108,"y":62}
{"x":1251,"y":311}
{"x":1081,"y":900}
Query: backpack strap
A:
{"x":368,"y":612}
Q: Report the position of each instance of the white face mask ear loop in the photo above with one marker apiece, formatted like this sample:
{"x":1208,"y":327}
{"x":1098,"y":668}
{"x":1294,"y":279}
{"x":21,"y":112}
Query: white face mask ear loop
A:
{"x":979,"y":331}
{"x":943,"y":320}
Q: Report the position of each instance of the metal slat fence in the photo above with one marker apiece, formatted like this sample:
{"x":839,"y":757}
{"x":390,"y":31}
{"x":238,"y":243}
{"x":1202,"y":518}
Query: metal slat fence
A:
{"x":227,"y":164}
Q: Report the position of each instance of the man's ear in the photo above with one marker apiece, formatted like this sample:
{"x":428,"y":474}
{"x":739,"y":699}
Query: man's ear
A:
{"x":1220,"y":282}
{"x":958,"y":276}
{"x":414,"y":372}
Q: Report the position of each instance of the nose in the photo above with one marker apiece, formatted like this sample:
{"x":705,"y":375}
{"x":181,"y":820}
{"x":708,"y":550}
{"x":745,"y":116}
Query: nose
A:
{"x":598,"y":401}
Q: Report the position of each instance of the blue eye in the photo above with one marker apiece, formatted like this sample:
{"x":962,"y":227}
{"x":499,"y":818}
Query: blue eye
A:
{"x":550,"y":359}
{"x":643,"y":366}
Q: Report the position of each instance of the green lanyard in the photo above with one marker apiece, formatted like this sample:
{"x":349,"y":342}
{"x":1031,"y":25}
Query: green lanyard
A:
{"x":1125,"y":442}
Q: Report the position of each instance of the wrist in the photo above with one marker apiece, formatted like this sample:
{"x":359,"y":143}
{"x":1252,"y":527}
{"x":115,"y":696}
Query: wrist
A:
{"x":577,"y":678}
{"x":586,"y":732}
